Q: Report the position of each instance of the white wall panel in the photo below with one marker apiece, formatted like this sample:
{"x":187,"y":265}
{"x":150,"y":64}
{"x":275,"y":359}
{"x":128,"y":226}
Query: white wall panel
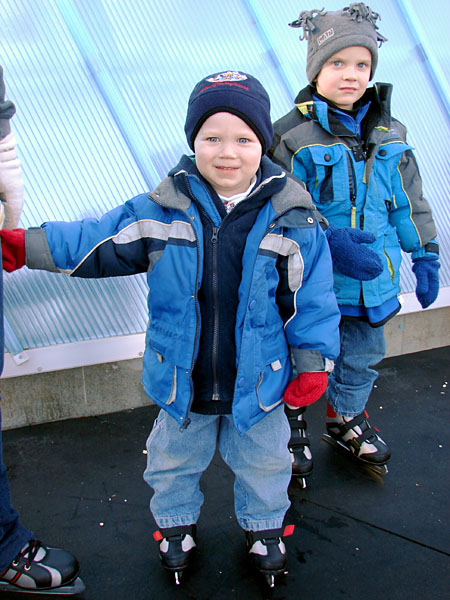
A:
{"x":101,"y":88}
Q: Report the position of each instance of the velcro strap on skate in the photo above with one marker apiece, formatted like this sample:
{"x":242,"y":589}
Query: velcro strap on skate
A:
{"x":299,"y":442}
{"x":367,"y":431}
{"x":365,"y":436}
{"x":358,"y":420}
{"x":168,"y":532}
{"x":295,"y":424}
{"x":265,"y":534}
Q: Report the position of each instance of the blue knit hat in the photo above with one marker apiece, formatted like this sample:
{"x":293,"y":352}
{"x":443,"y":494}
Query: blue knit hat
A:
{"x":234,"y":92}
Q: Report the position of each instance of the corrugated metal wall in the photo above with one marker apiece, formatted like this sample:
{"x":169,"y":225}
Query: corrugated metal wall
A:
{"x":101,"y":89}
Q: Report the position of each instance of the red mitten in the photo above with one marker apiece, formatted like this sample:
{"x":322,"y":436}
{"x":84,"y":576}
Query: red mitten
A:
{"x":13,"y":248}
{"x":306,"y":388}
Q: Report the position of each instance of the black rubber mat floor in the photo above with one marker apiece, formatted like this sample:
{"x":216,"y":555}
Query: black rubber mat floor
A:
{"x":78,"y":484}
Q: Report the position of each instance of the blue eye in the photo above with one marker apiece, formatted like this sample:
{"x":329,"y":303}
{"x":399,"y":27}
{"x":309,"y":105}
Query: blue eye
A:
{"x":212,"y":138}
{"x":243,"y":140}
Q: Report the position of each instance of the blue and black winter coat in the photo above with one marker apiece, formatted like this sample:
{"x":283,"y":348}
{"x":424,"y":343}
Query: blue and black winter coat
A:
{"x":359,"y":174}
{"x":181,"y":238}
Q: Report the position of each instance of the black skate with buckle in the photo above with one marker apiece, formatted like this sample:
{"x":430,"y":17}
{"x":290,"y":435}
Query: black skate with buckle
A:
{"x":177,"y":545}
{"x":302,"y":464}
{"x":268,"y":553}
{"x":39,"y":569}
{"x":364,"y":433}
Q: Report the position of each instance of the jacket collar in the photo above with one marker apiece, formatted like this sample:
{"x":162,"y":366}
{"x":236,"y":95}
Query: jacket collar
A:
{"x":379,"y":113}
{"x":270,"y":178}
{"x":272,"y":181}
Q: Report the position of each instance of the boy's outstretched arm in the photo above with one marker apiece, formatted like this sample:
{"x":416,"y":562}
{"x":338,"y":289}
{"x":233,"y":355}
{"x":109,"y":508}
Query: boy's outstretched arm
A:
{"x":109,"y":246}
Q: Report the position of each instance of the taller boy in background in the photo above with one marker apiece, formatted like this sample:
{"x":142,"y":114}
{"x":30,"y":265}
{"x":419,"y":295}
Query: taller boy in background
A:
{"x":342,"y":142}
{"x":239,"y":276}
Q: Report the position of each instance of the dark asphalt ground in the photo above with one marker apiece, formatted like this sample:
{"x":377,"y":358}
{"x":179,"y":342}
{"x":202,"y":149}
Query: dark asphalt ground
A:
{"x":78,"y":484}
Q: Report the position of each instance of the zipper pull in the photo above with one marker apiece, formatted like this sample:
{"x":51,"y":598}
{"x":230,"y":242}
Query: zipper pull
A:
{"x":353,"y":217}
{"x":215,"y":235}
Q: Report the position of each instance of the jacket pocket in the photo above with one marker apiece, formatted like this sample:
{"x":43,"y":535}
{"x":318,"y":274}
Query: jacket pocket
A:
{"x":272,"y":382}
{"x":392,"y":253}
{"x":162,"y":377}
{"x":387,"y":160}
{"x":329,"y":171}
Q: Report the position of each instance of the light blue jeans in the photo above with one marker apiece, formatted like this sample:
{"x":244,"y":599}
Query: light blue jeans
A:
{"x":259,"y":459}
{"x":352,"y":379}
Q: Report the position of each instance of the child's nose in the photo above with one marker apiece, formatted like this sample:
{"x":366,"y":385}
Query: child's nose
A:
{"x":350,"y":72}
{"x":227,"y":149}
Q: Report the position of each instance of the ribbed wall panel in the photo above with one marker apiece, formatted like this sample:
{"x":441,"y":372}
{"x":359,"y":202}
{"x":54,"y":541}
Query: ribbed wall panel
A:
{"x":101,"y":89}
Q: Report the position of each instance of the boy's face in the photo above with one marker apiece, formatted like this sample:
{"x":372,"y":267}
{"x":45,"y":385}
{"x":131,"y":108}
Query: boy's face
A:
{"x":227,"y":153}
{"x":344,"y":77}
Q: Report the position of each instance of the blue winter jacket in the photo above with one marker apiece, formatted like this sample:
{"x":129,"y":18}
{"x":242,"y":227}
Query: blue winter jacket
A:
{"x":370,"y":181}
{"x":161,"y":234}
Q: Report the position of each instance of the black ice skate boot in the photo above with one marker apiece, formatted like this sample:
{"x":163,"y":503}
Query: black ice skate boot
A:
{"x":302,"y":462}
{"x":267,"y":551}
{"x":39,"y":569}
{"x":177,"y":546}
{"x":357,"y":436}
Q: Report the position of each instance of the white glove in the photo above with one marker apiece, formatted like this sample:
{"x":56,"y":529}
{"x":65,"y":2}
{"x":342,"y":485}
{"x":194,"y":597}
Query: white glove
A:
{"x":11,"y":183}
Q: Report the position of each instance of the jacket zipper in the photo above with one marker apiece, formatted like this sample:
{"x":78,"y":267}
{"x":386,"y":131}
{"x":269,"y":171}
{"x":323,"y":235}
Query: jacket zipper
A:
{"x":353,"y":191}
{"x":214,"y":241}
{"x":214,"y":282}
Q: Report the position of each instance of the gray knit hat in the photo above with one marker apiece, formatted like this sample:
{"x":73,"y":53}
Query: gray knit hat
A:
{"x":329,"y":32}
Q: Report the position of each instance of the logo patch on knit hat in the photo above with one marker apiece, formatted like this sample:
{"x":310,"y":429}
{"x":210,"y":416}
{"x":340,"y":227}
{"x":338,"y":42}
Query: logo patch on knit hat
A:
{"x":227,"y":76}
{"x":323,"y":38}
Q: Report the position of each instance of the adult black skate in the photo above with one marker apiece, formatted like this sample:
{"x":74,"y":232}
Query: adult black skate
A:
{"x":267,"y":552}
{"x":177,"y":546}
{"x":39,"y":569}
{"x":302,"y":463}
{"x":355,"y":436}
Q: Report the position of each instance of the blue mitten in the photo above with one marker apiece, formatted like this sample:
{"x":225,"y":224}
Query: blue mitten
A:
{"x":349,"y":255}
{"x":426,"y":270}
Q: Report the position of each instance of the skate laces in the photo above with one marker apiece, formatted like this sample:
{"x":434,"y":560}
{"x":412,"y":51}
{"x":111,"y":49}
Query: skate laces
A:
{"x":28,"y":553}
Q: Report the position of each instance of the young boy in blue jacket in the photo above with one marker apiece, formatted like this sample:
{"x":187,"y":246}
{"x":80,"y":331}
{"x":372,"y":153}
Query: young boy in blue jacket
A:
{"x":240,"y":277}
{"x":341,"y":141}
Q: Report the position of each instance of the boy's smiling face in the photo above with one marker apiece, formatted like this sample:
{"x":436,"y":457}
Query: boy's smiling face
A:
{"x":227,"y":153}
{"x":344,"y":77}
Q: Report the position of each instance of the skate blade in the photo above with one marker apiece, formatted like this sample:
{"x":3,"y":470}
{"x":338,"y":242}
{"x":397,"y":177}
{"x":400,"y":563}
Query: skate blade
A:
{"x":378,"y":469}
{"x":178,"y":575}
{"x":300,"y":480}
{"x":272,"y":577}
{"x":76,"y":587}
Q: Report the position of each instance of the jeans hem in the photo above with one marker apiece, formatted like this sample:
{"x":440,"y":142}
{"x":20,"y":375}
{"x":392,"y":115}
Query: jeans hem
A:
{"x":262,"y":525}
{"x":167,"y":522}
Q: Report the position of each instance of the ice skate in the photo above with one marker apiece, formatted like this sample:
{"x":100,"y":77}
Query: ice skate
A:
{"x":357,"y":437}
{"x":267,"y":552}
{"x":177,"y":546}
{"x":302,"y":463}
{"x":39,"y":569}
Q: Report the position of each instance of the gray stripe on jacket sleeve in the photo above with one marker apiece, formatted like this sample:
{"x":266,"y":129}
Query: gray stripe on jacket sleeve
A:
{"x":37,"y":251}
{"x":309,"y":361}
